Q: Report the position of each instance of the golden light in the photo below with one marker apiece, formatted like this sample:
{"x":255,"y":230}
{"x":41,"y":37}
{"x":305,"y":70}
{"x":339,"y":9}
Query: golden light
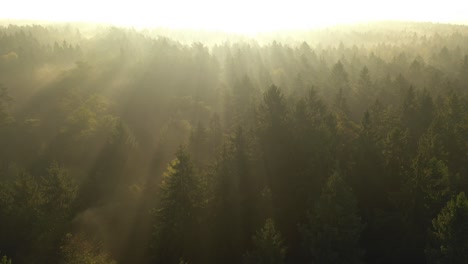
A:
{"x":242,"y":16}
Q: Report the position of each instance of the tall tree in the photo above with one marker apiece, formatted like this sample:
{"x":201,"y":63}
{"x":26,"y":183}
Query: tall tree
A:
{"x":176,"y":217}
{"x":338,"y":81}
{"x":332,"y":232}
{"x":235,"y":199}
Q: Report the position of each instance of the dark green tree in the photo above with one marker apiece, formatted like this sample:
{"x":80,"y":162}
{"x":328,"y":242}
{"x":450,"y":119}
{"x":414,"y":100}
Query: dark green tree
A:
{"x":176,"y":217}
{"x":338,"y":81}
{"x":449,"y":233}
{"x":5,"y":101}
{"x":198,"y":144}
{"x":333,"y":230}
{"x":268,"y":246}
{"x":36,"y":212}
{"x":108,"y":175}
{"x":236,"y":193}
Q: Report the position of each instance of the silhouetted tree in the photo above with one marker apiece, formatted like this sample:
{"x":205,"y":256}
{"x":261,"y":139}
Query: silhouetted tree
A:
{"x":176,"y":217}
{"x":334,"y":227}
{"x":268,"y":246}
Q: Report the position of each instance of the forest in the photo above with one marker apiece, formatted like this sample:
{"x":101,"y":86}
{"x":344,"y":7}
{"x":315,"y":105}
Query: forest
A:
{"x":336,"y":145}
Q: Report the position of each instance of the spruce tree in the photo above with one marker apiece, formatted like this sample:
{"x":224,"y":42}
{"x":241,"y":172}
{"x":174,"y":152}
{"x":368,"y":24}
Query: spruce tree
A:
{"x":333,"y":230}
{"x":449,"y":234}
{"x":268,"y":246}
{"x":176,"y":216}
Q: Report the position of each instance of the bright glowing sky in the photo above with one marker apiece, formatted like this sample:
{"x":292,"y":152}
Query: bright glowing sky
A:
{"x":246,"y":16}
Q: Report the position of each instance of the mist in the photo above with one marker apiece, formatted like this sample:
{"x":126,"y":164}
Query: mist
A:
{"x":138,"y":144}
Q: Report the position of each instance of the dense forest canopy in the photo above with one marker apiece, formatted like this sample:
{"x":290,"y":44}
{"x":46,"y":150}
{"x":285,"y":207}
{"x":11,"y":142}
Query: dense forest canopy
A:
{"x":340,"y":145}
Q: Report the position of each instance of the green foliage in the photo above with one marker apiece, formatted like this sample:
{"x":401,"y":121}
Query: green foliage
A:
{"x":176,"y":217}
{"x":268,"y":246}
{"x":5,"y":101}
{"x":87,"y":118}
{"x":36,"y":211}
{"x":5,"y":260}
{"x":339,"y":77}
{"x":235,"y":198}
{"x":333,"y":230}
{"x":449,"y":233}
{"x":273,"y":112}
{"x":388,"y":108}
{"x":76,"y":249}
{"x":59,"y":189}
{"x":431,"y":179}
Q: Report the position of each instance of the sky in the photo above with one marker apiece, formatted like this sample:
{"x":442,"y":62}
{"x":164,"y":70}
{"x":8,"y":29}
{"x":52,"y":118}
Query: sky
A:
{"x":241,"y":16}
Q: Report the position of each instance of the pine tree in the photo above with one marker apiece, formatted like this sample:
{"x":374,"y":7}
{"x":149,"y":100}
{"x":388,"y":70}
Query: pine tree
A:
{"x":198,"y":143}
{"x":176,"y":216}
{"x":235,"y":199}
{"x":333,"y":229}
{"x":108,"y":173}
{"x":339,"y":77}
{"x":36,"y":211}
{"x":274,"y":135}
{"x":268,"y":246}
{"x":449,"y":243}
{"x":338,"y":81}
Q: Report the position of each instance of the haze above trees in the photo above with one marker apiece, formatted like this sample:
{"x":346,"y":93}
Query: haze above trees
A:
{"x":341,"y":145}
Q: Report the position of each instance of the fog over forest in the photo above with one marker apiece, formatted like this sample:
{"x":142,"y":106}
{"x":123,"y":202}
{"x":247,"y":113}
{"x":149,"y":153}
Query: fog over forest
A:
{"x":342,"y":144}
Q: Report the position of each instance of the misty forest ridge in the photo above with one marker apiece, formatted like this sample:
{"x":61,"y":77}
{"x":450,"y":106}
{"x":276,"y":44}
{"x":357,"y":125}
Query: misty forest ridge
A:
{"x":334,"y":145}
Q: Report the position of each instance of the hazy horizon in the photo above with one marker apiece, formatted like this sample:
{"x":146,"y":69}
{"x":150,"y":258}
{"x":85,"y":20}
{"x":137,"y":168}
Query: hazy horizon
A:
{"x":236,"y":17}
{"x":246,"y":133}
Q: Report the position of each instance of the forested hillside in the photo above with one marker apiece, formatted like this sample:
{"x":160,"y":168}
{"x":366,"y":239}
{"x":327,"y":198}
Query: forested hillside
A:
{"x":340,"y":145}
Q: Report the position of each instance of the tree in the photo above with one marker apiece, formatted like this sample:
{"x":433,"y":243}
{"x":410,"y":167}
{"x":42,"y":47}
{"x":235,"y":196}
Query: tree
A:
{"x":365,"y":92}
{"x":273,"y":112}
{"x":235,"y":201}
{"x":332,"y":232}
{"x":316,"y":106}
{"x":274,"y":137}
{"x":339,"y":80}
{"x":215,"y":134}
{"x":268,"y":246}
{"x":198,"y":144}
{"x":364,"y":82}
{"x":36,"y":211}
{"x":59,"y":189}
{"x":431,"y":177}
{"x":5,"y":100}
{"x":368,"y":175}
{"x":339,"y":76}
{"x":449,"y":243}
{"x":279,"y":157}
{"x":58,"y":194}
{"x":5,"y":260}
{"x":409,"y":116}
{"x":395,"y":157}
{"x":424,"y":190}
{"x":176,"y":218}
{"x":242,"y":96}
{"x":108,"y":173}
{"x":77,"y":249}
{"x":463,"y":72}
